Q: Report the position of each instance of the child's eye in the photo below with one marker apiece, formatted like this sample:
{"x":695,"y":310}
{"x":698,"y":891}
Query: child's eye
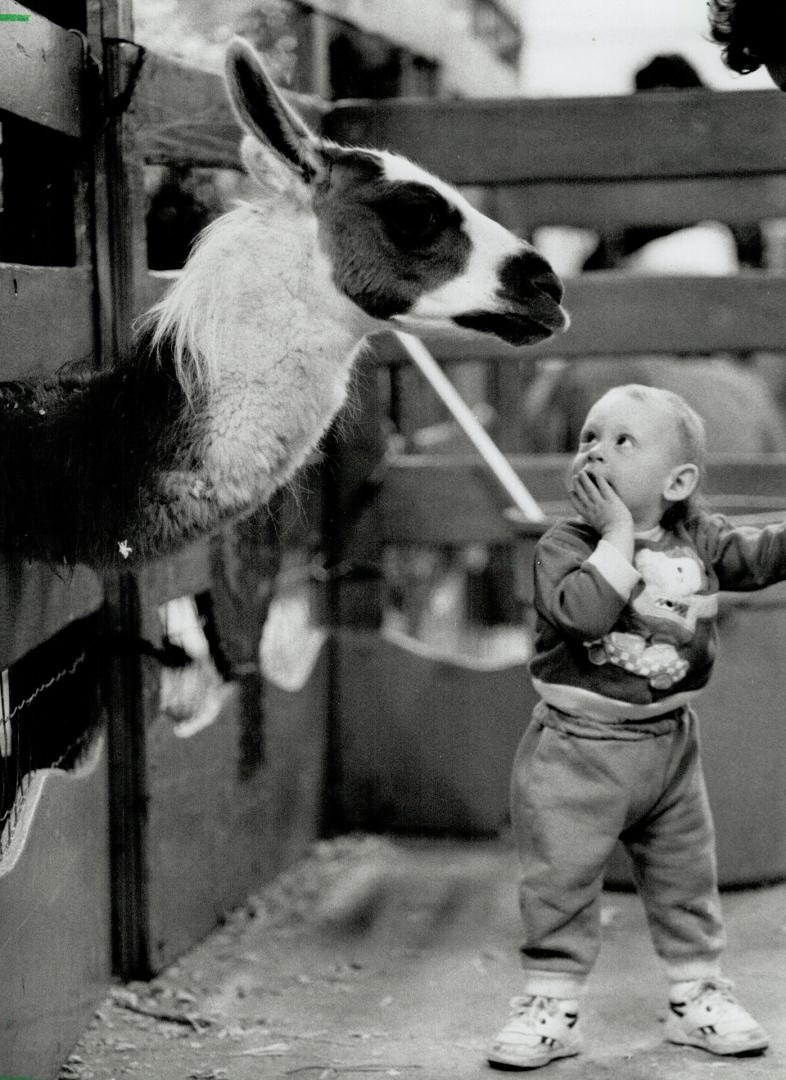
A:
{"x":587,"y":436}
{"x":624,"y":440}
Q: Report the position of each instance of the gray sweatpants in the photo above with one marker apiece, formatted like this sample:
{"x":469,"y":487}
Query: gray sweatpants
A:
{"x":573,"y":796}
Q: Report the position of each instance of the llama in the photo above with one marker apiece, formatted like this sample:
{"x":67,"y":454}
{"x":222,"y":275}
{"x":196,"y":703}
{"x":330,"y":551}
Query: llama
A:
{"x":238,"y":371}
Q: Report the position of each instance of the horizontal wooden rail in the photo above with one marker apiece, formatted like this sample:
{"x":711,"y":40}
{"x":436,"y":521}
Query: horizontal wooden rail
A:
{"x":182,"y":115}
{"x":46,"y":318}
{"x":452,"y":500}
{"x":619,"y":314}
{"x":616,"y":314}
{"x":690,"y":133}
{"x":602,"y":204}
{"x":41,"y":72}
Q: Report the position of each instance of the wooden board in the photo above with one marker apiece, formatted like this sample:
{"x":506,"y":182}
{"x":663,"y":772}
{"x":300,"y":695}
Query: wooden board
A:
{"x":182,"y":115}
{"x":46,"y":318}
{"x":214,"y":836}
{"x":481,"y":141}
{"x":41,"y":72}
{"x":602,"y":204}
{"x":617,"y":314}
{"x":37,"y":600}
{"x":454,"y":500}
{"x":55,"y":918}
{"x":206,"y":812}
{"x":433,"y":752}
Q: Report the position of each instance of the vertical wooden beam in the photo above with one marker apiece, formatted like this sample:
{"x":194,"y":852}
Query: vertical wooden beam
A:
{"x":354,"y":589}
{"x":124,"y":691}
{"x":312,"y":74}
{"x":118,"y":240}
{"x":355,"y":466}
{"x":120,"y":243}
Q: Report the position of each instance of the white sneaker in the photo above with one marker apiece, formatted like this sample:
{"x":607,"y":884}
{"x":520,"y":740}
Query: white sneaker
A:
{"x":539,"y":1030}
{"x":709,"y":1016}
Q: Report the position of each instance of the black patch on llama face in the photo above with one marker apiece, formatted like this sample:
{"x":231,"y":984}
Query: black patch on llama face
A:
{"x":389,"y":242}
{"x":530,"y":292}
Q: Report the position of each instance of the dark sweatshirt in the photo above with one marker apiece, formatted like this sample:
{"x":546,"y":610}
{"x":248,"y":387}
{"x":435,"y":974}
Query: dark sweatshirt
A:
{"x":617,"y":640}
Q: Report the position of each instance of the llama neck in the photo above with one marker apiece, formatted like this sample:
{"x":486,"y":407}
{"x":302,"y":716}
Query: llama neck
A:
{"x":269,"y":341}
{"x":256,"y":288}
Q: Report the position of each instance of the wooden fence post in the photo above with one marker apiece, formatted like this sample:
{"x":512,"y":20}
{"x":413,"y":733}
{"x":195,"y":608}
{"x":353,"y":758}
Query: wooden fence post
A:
{"x":119,"y":261}
{"x":354,"y":584}
{"x":354,"y":470}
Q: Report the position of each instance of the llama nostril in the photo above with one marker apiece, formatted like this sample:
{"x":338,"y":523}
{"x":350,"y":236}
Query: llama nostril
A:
{"x":520,"y":273}
{"x":551,"y":285}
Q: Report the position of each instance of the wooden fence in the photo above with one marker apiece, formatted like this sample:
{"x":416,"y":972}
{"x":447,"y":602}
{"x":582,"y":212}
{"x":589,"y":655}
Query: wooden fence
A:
{"x":403,"y":739}
{"x":126,"y":831}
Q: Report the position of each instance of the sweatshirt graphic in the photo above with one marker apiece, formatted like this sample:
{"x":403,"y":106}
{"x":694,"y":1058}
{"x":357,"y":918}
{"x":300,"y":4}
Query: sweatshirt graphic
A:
{"x":631,"y":640}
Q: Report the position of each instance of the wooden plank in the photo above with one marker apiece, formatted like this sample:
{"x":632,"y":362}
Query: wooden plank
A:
{"x":37,"y":601}
{"x":215,"y":830}
{"x":41,"y":72}
{"x":486,"y":141}
{"x":432,"y":501}
{"x":614,"y":313}
{"x":610,"y":203}
{"x":182,"y":115}
{"x":55,"y":917}
{"x":354,"y":468}
{"x":185,"y":572}
{"x":46,"y":318}
{"x":433,"y":752}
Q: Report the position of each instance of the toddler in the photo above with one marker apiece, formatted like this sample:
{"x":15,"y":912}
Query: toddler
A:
{"x":627,"y":599}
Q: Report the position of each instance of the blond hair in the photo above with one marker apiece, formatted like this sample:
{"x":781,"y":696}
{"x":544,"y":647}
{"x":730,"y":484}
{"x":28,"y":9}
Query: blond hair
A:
{"x":691,"y":435}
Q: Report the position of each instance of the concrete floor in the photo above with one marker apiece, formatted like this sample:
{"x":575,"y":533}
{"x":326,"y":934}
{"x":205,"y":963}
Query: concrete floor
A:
{"x":397,"y":958}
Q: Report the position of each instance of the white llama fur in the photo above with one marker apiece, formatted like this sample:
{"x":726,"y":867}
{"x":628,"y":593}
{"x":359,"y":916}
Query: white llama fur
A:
{"x":269,"y":343}
{"x":258,"y":325}
{"x":255,"y":342}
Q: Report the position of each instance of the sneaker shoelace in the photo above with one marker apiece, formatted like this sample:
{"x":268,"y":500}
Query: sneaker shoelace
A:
{"x":535,"y":1008}
{"x":716,"y":996}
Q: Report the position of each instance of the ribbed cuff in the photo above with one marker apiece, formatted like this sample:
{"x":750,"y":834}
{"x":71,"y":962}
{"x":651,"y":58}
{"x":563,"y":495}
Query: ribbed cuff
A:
{"x":702,"y":967}
{"x":614,"y":568}
{"x":556,"y":984}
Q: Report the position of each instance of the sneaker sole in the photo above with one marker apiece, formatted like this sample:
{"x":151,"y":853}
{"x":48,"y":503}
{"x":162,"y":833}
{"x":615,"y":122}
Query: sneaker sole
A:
{"x":499,"y":1062}
{"x":752,"y":1050}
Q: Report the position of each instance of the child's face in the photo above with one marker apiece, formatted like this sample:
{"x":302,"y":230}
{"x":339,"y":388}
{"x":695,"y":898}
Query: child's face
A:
{"x":634,"y":445}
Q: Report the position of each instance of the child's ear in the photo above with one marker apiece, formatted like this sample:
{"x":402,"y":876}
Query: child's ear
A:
{"x":681,"y":482}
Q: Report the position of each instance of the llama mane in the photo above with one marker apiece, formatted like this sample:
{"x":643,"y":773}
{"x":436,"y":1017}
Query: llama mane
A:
{"x":189,"y":323}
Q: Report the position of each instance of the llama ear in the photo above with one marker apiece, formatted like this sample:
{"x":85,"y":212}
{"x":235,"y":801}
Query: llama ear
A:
{"x":263,"y":112}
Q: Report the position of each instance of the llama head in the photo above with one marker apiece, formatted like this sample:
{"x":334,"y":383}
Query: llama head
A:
{"x":402,"y":244}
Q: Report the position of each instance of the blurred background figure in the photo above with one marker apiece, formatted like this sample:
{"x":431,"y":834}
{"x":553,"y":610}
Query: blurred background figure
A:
{"x":667,"y":72}
{"x":753,"y":35}
{"x":720,"y":387}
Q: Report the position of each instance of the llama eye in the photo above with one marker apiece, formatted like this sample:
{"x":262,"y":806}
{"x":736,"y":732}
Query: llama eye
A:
{"x":412,"y":222}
